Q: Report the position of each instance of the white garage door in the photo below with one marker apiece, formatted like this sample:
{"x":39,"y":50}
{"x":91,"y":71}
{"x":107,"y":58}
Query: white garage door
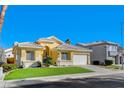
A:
{"x":80,"y":59}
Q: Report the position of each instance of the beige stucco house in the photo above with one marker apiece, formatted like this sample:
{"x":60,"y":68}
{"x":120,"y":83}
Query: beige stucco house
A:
{"x":28,"y":54}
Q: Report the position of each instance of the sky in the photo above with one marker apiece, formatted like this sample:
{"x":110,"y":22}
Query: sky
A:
{"x":78,"y":23}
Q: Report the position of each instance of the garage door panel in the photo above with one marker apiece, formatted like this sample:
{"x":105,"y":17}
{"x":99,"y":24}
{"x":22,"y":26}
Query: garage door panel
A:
{"x":80,"y":59}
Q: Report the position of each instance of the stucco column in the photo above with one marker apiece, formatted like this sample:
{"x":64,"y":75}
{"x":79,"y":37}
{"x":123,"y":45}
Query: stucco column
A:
{"x":38,"y":56}
{"x":88,"y":57}
{"x":118,"y":59}
{"x":23,"y":55}
{"x":59,"y":58}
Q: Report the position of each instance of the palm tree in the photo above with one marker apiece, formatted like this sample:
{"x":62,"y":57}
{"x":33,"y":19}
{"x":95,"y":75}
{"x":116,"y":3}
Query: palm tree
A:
{"x":2,"y":14}
{"x":68,"y":41}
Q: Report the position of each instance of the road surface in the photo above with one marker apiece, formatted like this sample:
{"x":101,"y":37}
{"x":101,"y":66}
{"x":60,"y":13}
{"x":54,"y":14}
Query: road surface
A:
{"x":107,"y":81}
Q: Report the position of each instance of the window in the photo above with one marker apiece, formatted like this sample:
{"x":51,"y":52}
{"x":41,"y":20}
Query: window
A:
{"x":65,"y":56}
{"x":112,"y":48}
{"x":30,"y":55}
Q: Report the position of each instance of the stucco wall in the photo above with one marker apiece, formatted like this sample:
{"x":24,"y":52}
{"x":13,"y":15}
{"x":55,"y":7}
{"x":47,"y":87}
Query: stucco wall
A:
{"x":49,"y":48}
{"x":21,"y":57}
{"x":70,"y":62}
{"x":100,"y":53}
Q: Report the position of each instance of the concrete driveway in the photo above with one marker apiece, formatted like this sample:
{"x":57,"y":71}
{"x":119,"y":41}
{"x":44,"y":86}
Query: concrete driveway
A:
{"x":97,"y":69}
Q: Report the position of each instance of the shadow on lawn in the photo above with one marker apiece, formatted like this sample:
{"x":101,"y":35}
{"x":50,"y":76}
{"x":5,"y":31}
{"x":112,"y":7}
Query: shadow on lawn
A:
{"x":77,"y":83}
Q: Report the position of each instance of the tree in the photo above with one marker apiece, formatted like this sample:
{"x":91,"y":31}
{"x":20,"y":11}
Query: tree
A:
{"x":68,"y":41}
{"x":48,"y":61}
{"x":2,"y":58}
{"x":2,"y":14}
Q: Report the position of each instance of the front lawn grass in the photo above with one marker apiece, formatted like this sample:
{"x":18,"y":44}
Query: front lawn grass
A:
{"x":40,"y":72}
{"x":114,"y":67}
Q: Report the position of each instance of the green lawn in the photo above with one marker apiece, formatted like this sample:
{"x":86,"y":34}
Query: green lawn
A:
{"x":40,"y":72}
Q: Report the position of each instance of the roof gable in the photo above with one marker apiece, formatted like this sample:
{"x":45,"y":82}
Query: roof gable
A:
{"x":50,"y":39}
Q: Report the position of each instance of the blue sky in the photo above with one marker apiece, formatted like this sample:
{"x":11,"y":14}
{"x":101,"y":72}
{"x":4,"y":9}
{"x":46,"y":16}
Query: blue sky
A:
{"x":79,"y":23}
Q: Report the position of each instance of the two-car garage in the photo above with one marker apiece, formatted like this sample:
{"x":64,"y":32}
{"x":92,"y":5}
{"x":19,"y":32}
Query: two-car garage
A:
{"x":80,"y":59}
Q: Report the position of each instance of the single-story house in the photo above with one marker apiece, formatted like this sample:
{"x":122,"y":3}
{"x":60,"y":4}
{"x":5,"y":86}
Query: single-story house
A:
{"x":27,"y":54}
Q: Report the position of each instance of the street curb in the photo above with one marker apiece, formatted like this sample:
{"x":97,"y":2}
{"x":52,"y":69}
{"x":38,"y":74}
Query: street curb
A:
{"x":60,"y":77}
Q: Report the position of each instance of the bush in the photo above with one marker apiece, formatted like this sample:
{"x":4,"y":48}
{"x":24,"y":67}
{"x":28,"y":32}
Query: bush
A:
{"x":96,"y":62}
{"x":39,"y":64}
{"x":1,"y":63}
{"x":47,"y":61}
{"x":9,"y":67}
{"x":108,"y":62}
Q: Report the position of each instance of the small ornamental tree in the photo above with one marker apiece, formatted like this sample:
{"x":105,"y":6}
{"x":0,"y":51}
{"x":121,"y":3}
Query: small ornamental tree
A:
{"x":48,"y":61}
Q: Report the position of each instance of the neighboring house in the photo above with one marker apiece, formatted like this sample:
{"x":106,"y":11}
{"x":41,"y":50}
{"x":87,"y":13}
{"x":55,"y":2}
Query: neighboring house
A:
{"x":9,"y":55}
{"x":102,"y":50}
{"x":120,"y":57}
{"x":27,"y":54}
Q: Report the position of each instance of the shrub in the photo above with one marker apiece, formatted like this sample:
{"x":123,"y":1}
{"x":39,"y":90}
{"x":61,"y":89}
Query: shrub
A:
{"x":39,"y":64}
{"x":96,"y":62}
{"x":108,"y":62}
{"x":1,"y":63}
{"x":47,"y":61}
{"x":9,"y":67}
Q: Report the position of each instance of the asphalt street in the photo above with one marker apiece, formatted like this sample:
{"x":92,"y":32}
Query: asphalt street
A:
{"x":107,"y":81}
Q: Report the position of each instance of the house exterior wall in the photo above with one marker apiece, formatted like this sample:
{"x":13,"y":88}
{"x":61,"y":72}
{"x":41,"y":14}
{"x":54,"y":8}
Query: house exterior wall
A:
{"x":21,"y":57}
{"x":52,"y":53}
{"x":50,"y":45}
{"x":61,"y":62}
{"x":100,"y":53}
{"x":8,"y":53}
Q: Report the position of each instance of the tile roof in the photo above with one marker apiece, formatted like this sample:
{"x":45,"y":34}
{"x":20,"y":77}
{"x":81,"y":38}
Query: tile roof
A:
{"x":28,"y":44}
{"x":72,"y":48}
{"x":50,"y":39}
{"x":9,"y":49}
{"x":45,"y":39}
{"x":97,"y":43}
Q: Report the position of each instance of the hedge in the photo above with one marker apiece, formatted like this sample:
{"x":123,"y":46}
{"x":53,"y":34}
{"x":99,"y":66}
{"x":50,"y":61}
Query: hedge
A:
{"x":9,"y":67}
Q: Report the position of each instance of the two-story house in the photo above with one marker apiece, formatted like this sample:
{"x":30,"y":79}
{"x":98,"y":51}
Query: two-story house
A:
{"x":102,"y":50}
